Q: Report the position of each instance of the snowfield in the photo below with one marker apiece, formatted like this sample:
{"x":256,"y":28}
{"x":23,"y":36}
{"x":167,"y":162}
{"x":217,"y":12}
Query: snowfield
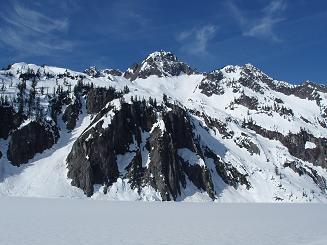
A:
{"x":34,"y":221}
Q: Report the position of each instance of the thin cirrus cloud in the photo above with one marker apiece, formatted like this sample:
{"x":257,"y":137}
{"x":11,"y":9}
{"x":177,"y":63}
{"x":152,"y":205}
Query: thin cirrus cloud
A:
{"x":262,"y":27}
{"x":196,"y":41}
{"x":31,"y":32}
{"x":126,"y":19}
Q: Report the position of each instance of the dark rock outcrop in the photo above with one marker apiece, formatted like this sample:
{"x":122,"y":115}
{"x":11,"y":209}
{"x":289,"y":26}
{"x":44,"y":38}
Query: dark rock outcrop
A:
{"x":244,"y":141}
{"x":250,"y":77}
{"x":247,"y":101}
{"x":71,"y":114}
{"x":168,"y":168}
{"x":93,"y":156}
{"x":32,"y":138}
{"x":301,"y":170}
{"x":219,"y":125}
{"x":295,"y":143}
{"x":112,"y":72}
{"x":92,"y":72}
{"x":93,"y":159}
{"x":9,"y":121}
{"x":211,"y":84}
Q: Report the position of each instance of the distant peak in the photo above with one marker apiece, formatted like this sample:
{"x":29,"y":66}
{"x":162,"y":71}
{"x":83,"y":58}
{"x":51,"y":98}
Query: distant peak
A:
{"x":92,"y":71}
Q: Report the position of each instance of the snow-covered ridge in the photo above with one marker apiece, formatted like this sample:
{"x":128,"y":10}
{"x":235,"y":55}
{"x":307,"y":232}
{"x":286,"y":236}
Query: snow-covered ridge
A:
{"x":248,"y":119}
{"x":19,"y":68}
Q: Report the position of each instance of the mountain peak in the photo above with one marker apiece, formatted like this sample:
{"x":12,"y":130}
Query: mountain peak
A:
{"x":159,"y":63}
{"x":161,"y":55}
{"x":253,"y":69}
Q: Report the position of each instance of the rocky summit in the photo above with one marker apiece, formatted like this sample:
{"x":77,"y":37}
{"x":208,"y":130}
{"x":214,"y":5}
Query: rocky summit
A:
{"x":161,"y":131}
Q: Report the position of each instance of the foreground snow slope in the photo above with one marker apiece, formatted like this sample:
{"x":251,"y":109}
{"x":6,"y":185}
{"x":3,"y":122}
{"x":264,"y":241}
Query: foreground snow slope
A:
{"x":81,"y":222}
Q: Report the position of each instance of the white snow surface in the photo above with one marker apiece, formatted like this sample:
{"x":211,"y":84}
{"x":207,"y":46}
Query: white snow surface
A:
{"x":34,"y":221}
{"x":190,"y":157}
{"x":310,"y":145}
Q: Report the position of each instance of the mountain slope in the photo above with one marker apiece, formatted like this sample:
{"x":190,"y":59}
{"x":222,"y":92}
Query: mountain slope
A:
{"x":163,"y":131}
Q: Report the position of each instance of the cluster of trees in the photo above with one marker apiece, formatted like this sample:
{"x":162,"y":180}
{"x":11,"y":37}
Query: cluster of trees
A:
{"x":31,"y":101}
{"x":151,"y":101}
{"x":3,"y":86}
{"x":67,"y":74}
{"x":5,"y":101}
{"x":58,"y":98}
{"x":21,"y":96}
{"x":282,"y":110}
{"x":247,"y":122}
{"x":30,"y":74}
{"x":28,"y":101}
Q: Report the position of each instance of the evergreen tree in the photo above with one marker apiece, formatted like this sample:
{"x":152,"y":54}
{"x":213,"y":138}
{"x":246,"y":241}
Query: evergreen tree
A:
{"x":126,"y":89}
{"x":165,"y":98}
{"x":38,"y":109}
{"x":122,"y":101}
{"x":3,"y":87}
{"x":21,"y":97}
{"x":31,"y":99}
{"x":6,"y":101}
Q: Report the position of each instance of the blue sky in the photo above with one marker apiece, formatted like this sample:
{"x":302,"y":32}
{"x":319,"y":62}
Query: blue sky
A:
{"x":285,"y":38}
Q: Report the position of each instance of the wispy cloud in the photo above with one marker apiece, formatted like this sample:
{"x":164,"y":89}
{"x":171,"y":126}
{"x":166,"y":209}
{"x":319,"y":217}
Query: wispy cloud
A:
{"x":262,"y":26}
{"x":126,"y":19}
{"x":196,"y":40}
{"x":31,"y":32}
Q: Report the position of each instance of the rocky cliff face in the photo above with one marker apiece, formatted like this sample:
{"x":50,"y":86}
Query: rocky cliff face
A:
{"x":9,"y":121}
{"x":158,"y":142}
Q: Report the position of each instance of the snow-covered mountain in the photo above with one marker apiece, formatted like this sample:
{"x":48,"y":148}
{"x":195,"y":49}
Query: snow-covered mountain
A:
{"x":161,"y":131}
